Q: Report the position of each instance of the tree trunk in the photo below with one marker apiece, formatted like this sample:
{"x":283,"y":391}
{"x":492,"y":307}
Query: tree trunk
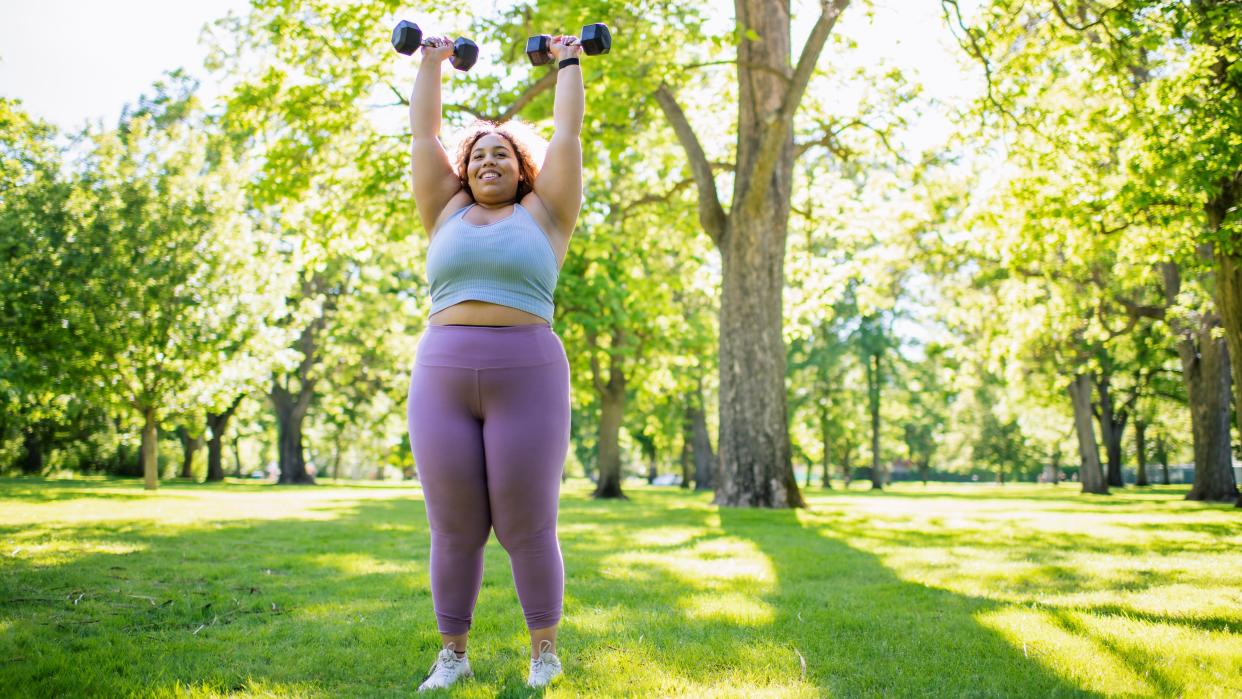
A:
{"x":32,"y":450}
{"x":190,"y":444}
{"x":1090,"y":474}
{"x":336,"y":457}
{"x":847,"y":472}
{"x":825,"y":435}
{"x":1112,"y":427}
{"x":1056,"y":465}
{"x":612,"y":410}
{"x":687,"y":450}
{"x":873,"y":400}
{"x":237,"y":457}
{"x":1140,"y":451}
{"x":150,"y":462}
{"x":217,"y":423}
{"x":1209,"y":409}
{"x":1205,"y":371}
{"x":1162,"y":458}
{"x":291,"y":405}
{"x":290,"y":411}
{"x":705,"y":462}
{"x":756,"y":463}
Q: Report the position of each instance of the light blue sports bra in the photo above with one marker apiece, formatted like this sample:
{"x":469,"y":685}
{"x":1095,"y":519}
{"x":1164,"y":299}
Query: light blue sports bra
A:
{"x":509,"y":262}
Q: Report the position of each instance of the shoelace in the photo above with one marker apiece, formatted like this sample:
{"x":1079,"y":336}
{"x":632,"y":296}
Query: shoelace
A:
{"x":539,"y":664}
{"x":448,"y":663}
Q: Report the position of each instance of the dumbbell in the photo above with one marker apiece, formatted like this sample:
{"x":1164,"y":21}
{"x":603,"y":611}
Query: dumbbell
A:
{"x":407,"y":37}
{"x":594,"y":39}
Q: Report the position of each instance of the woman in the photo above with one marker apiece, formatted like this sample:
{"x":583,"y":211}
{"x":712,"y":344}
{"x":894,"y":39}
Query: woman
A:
{"x":489,"y":394}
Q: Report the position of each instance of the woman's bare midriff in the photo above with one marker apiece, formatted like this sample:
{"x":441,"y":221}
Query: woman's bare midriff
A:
{"x":483,"y":313}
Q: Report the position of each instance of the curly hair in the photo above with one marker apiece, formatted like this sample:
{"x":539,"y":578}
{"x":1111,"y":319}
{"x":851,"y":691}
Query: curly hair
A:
{"x":527,"y":169}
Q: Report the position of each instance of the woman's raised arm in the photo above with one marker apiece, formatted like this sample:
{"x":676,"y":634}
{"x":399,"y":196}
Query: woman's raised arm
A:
{"x":559,"y":184}
{"x":435,"y":182}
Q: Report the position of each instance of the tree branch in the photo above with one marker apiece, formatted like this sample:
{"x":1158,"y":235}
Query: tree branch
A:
{"x":1056,"y":7}
{"x":1139,"y":310}
{"x":657,"y":198}
{"x":977,"y":51}
{"x":711,"y":214}
{"x":760,"y":176}
{"x":668,"y":194}
{"x":527,"y":96}
{"x":834,"y":146}
{"x":829,"y":141}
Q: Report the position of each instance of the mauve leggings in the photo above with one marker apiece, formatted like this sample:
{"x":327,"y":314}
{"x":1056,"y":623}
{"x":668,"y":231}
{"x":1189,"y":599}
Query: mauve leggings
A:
{"x":489,"y":426}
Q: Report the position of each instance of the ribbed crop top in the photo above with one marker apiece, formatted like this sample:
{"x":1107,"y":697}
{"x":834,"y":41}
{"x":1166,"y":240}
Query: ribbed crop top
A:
{"x":509,"y":262}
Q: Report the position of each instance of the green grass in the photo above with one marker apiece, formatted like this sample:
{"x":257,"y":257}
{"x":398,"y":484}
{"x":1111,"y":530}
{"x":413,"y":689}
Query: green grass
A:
{"x":957,"y":591}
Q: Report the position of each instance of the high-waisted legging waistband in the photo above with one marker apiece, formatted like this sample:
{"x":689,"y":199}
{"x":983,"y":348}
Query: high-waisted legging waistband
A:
{"x":483,"y":347}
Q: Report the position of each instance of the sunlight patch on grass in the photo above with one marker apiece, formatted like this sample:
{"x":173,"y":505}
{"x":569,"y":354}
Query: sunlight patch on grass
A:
{"x":195,"y":504}
{"x":625,"y":668}
{"x":596,"y":620}
{"x":665,"y":536}
{"x":250,"y":688}
{"x":355,"y":564}
{"x":729,"y":607}
{"x":716,"y":564}
{"x":55,"y":551}
{"x":343,"y":611}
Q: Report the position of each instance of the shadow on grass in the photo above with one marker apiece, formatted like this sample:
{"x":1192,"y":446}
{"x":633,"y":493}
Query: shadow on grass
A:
{"x":1070,"y":494}
{"x":40,"y":490}
{"x":665,"y":595}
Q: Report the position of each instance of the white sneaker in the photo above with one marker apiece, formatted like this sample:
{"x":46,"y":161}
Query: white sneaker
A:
{"x":447,"y":669}
{"x":544,"y":668}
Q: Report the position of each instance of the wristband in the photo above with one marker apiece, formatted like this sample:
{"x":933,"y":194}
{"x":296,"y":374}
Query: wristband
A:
{"x":567,"y":62}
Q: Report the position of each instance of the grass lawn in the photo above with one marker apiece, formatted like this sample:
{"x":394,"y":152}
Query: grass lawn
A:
{"x":946,"y":591}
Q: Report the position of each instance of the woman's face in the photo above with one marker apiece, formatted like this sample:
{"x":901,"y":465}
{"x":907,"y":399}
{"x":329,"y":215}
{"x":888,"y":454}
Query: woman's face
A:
{"x":492,"y":170}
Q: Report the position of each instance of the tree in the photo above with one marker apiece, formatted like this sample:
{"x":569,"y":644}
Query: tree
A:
{"x":35,"y":373}
{"x":1168,"y":70}
{"x":756,"y":468}
{"x":161,"y":263}
{"x":329,"y":190}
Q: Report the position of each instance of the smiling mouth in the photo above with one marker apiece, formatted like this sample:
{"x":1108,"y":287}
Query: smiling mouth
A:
{"x":489,"y":176}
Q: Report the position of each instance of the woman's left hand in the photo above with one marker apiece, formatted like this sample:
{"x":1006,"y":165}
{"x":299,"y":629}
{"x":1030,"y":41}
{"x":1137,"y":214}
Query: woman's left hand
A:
{"x":561,"y":48}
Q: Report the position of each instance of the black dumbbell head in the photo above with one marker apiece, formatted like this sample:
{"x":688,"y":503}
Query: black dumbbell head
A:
{"x":465,"y":53}
{"x":596,"y":39}
{"x":407,"y":37}
{"x":538,"y":49}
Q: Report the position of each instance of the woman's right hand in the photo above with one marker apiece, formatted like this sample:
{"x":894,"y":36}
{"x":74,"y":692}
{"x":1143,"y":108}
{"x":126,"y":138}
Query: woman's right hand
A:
{"x":441,"y":48}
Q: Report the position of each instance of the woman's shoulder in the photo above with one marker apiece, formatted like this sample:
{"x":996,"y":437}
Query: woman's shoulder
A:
{"x":539,"y":211}
{"x":458,"y":203}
